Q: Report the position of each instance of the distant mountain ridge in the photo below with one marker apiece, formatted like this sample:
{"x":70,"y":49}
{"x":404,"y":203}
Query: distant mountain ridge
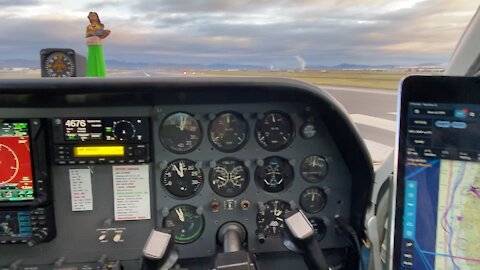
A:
{"x":17,"y":63}
{"x":34,"y":64}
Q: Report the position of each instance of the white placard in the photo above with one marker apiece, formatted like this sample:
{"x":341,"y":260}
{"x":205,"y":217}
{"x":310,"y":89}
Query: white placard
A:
{"x":81,"y":189}
{"x":131,"y":192}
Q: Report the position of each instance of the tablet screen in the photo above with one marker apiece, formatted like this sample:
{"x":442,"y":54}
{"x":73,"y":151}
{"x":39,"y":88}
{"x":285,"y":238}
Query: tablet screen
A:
{"x":441,"y":187}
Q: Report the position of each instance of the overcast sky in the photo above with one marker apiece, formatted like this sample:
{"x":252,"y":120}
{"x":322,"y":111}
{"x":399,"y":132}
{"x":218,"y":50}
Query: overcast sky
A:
{"x":259,"y":32}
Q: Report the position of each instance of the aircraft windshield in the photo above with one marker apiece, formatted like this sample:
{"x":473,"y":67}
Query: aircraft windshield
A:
{"x":357,"y":50}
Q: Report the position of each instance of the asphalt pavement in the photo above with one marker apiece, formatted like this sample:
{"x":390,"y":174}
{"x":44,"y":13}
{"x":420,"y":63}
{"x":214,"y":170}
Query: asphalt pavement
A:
{"x":374,"y":113}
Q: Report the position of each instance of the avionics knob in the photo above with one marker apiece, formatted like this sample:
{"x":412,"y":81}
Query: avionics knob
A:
{"x":37,"y":238}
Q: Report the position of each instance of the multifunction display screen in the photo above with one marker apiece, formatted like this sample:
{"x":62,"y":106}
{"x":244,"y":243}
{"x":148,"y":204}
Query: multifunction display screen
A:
{"x":15,"y":224}
{"x":441,"y":218}
{"x":16,"y":174}
{"x":105,"y":129}
{"x":84,"y":130}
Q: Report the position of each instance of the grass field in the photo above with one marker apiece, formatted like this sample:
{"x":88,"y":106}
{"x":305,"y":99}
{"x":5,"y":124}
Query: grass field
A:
{"x":31,"y":74}
{"x":360,"y":79}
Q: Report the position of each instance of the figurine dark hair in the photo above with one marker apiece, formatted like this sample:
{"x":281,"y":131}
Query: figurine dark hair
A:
{"x":96,"y":15}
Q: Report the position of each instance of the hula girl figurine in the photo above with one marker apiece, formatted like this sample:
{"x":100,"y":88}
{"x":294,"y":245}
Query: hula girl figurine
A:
{"x":96,"y":32}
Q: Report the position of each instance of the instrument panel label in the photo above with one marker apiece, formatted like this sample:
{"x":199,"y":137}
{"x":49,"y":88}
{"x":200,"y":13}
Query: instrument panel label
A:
{"x":81,"y":189}
{"x":131,"y":189}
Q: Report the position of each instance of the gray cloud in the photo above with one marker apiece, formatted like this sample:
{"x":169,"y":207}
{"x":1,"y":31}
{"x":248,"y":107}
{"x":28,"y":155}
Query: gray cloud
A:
{"x":11,"y":3}
{"x":102,"y":5}
{"x":258,"y":32}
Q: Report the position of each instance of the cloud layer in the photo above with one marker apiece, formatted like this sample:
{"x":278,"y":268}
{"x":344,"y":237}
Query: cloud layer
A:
{"x":259,"y":32}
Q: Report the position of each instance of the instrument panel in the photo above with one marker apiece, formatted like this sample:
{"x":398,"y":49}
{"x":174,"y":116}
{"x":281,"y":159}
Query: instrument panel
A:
{"x":190,"y":163}
{"x":250,"y":164}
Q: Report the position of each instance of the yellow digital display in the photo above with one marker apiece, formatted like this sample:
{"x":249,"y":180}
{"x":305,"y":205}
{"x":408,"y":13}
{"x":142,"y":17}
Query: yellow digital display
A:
{"x":99,"y":151}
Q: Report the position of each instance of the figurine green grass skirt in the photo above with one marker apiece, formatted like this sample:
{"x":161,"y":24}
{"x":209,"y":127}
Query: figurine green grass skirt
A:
{"x":96,"y":61}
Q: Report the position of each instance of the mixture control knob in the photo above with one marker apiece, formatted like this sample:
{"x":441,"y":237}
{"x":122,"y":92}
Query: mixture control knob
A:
{"x":117,"y":237}
{"x":102,"y":237}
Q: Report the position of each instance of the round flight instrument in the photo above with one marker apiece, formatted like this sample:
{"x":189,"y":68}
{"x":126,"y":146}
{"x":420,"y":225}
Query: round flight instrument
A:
{"x":274,"y":131}
{"x":9,"y":164}
{"x":270,"y":222}
{"x":313,"y":200}
{"x":229,"y":178}
{"x":314,"y":168}
{"x":186,"y":224}
{"x":124,"y":130}
{"x":59,"y":64}
{"x":308,"y":130}
{"x":275,"y":175}
{"x":181,"y":178}
{"x":180,"y":133}
{"x":228,"y":132}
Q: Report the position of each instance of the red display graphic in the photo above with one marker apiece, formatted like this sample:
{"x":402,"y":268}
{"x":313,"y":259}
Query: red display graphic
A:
{"x":16,"y":177}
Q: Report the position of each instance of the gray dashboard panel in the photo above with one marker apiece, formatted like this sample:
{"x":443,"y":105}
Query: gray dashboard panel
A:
{"x":77,"y":232}
{"x":77,"y":235}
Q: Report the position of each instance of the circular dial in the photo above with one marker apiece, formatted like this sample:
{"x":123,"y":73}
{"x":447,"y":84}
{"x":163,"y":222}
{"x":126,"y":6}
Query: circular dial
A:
{"x":275,"y":175}
{"x":308,"y":130}
{"x":123,"y":130}
{"x":59,"y":65}
{"x":271,"y":221}
{"x":313,"y":200}
{"x":274,"y":131}
{"x":229,"y":178}
{"x":319,"y":227}
{"x":314,"y":168}
{"x":180,"y":133}
{"x":186,"y":224}
{"x":228,"y":132}
{"x":9,"y":164}
{"x":181,"y":178}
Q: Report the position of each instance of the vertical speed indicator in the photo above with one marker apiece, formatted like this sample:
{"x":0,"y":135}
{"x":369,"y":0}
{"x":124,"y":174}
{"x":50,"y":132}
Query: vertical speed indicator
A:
{"x":182,"y":178}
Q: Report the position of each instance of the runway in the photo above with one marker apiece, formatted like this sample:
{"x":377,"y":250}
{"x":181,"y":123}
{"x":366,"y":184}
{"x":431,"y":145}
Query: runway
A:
{"x":374,"y":113}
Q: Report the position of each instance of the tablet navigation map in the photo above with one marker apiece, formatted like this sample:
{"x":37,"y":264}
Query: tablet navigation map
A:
{"x":458,"y":222}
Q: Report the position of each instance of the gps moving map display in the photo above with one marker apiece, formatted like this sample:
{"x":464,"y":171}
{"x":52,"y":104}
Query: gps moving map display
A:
{"x":16,"y":176}
{"x":441,"y":177}
{"x":15,"y":224}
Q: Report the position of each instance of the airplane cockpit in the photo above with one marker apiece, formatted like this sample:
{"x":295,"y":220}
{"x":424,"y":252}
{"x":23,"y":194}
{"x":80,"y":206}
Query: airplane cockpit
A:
{"x":220,"y":173}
